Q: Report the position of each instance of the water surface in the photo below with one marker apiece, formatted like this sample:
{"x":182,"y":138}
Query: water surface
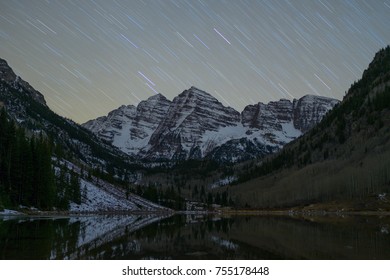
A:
{"x":195,"y":237}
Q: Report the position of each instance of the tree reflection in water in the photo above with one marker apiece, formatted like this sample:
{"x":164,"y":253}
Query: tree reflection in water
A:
{"x":195,"y":237}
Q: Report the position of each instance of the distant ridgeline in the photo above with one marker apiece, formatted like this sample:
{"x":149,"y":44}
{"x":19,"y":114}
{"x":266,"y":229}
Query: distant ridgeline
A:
{"x":345,"y":157}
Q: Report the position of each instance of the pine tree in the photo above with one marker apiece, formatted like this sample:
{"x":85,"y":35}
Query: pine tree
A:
{"x":1,"y":200}
{"x":75,"y":188}
{"x":209,"y":199}
{"x":44,"y":186}
{"x":63,"y":195}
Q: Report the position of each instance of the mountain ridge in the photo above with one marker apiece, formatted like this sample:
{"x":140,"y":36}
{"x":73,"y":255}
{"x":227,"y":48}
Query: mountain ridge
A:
{"x":8,"y":76}
{"x":194,"y":124}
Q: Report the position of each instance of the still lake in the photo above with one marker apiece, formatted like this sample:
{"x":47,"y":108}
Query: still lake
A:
{"x":195,"y":237}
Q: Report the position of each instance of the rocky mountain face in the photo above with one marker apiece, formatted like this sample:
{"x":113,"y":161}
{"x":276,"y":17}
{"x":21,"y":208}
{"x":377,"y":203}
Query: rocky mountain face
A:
{"x":183,"y":132}
{"x":309,"y":110}
{"x":130,"y":128}
{"x":196,"y":125}
{"x":8,"y":76}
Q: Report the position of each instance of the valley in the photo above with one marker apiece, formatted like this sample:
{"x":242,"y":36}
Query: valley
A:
{"x":195,"y":153}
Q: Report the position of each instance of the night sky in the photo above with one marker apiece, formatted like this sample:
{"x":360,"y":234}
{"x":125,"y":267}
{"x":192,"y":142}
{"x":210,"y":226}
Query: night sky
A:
{"x":90,"y":57}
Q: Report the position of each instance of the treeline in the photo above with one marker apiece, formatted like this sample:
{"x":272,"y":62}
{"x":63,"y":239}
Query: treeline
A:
{"x":211,"y":197}
{"x":165,"y":197}
{"x":27,"y":176}
{"x":174,"y":199}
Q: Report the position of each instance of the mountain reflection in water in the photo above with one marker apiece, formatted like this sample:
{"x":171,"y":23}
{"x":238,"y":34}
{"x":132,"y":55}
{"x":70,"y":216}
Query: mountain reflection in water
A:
{"x":195,"y":237}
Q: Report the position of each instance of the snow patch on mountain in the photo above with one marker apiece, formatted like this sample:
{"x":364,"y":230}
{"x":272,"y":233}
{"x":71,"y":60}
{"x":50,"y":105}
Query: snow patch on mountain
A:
{"x":211,"y":139}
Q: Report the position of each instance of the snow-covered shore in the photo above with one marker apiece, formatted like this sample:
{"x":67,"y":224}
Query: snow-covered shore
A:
{"x":9,"y":212}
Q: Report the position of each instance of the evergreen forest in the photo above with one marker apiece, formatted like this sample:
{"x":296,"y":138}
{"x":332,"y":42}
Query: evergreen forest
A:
{"x":27,"y":176}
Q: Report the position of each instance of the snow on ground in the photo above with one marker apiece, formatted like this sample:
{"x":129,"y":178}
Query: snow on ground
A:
{"x":223,"y":182}
{"x":8,"y":212}
{"x":100,"y":196}
{"x":96,"y":199}
{"x":103,"y":196}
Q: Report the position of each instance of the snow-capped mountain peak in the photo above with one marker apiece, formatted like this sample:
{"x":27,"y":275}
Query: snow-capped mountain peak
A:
{"x":196,"y":125}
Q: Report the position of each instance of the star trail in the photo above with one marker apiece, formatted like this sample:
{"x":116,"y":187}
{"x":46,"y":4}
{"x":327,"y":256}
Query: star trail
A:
{"x":90,"y":57}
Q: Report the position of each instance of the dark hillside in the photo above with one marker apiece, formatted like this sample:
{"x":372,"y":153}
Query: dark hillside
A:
{"x":346,"y":157}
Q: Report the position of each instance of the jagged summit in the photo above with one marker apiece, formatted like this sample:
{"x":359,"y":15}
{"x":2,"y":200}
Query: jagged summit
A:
{"x":157,"y":96}
{"x":194,"y":88}
{"x":196,"y":125}
{"x":6,"y":72}
{"x":190,"y":115}
{"x":197,"y":90}
{"x":195,"y":97}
